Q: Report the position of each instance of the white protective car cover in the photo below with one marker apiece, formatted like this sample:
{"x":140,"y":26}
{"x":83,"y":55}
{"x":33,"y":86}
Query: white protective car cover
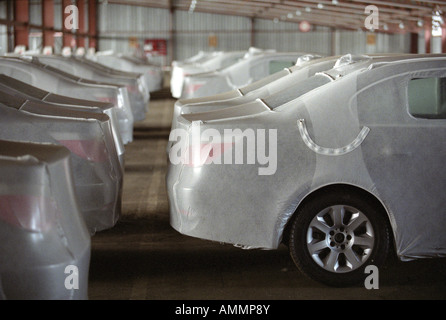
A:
{"x":23,"y":90}
{"x":86,"y":69}
{"x":246,"y":71}
{"x":61,"y":83}
{"x":355,"y":130}
{"x":259,"y":89}
{"x":153,"y":75}
{"x":42,"y":233}
{"x":97,"y":172}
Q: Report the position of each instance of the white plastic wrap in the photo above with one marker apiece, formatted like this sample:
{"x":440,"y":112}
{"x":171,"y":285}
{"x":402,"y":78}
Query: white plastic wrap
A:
{"x":23,"y":90}
{"x":41,"y":229}
{"x":244,"y":72}
{"x":153,"y":75}
{"x":356,"y":130}
{"x":89,"y":70}
{"x":59,"y":83}
{"x":97,"y":172}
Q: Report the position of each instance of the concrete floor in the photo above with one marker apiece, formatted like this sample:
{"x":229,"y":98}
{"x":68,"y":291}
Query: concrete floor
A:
{"x":143,"y":258}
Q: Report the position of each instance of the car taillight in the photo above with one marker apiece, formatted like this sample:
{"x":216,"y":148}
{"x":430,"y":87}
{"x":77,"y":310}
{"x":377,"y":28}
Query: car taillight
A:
{"x":107,"y":99}
{"x":198,"y":155}
{"x":92,"y":150}
{"x":191,"y":88}
{"x":132,"y":89}
{"x":32,"y":213}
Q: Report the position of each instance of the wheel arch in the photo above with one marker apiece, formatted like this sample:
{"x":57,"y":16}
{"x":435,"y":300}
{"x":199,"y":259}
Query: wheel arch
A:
{"x":348,"y":188}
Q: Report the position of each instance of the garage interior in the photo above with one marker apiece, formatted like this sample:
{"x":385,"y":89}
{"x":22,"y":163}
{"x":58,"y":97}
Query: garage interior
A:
{"x":142,"y":257}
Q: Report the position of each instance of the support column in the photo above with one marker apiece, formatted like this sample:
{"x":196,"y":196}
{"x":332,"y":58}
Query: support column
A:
{"x":48,"y":23}
{"x":68,"y":39}
{"x":10,"y":28}
{"x":414,"y":42}
{"x":82,"y":30}
{"x":171,"y":39}
{"x":93,"y":24}
{"x":252,"y":39}
{"x":443,"y":40}
{"x":21,"y":14}
{"x":427,"y":35}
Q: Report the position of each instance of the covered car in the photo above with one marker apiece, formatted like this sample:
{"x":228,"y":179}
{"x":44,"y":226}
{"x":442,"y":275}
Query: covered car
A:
{"x":339,"y":174}
{"x":153,"y":74}
{"x":98,"y":175}
{"x":202,"y":63}
{"x":61,"y":83}
{"x":42,"y":233}
{"x":85,"y":69}
{"x":23,"y":90}
{"x":306,"y":66}
{"x":248,"y":70}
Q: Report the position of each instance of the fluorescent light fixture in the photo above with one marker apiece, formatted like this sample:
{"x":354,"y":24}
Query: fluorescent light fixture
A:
{"x":193,"y":3}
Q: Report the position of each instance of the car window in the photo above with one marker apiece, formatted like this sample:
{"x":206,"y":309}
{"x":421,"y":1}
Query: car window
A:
{"x":427,"y":98}
{"x":278,"y":65}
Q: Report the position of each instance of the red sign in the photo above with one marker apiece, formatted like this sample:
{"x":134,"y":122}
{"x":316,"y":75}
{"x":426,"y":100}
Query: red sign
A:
{"x":155,"y":46}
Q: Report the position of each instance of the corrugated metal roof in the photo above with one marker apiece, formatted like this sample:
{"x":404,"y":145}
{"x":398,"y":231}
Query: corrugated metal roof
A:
{"x":345,"y":14}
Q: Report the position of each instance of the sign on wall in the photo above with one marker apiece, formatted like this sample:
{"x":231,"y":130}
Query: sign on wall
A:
{"x":155,"y":46}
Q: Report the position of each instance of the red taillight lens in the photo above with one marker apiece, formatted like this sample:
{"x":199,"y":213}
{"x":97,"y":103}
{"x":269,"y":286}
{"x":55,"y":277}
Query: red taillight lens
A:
{"x":198,"y":155}
{"x":31,"y":213}
{"x":114,"y":101}
{"x":132,"y":89}
{"x":92,"y":150}
{"x":191,"y":88}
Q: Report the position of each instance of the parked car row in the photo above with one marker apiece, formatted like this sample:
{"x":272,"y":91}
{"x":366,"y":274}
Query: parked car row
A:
{"x":64,"y":123}
{"x":339,"y":158}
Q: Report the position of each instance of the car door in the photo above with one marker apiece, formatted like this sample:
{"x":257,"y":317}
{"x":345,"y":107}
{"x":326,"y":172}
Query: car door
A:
{"x":405,"y":154}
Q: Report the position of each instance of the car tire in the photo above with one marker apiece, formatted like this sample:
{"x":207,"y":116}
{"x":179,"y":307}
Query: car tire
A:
{"x":334,"y":236}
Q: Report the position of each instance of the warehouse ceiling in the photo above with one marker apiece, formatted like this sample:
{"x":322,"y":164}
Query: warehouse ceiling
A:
{"x":394,"y":16}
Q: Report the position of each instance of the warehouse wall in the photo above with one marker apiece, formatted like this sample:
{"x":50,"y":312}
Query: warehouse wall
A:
{"x":191,"y":33}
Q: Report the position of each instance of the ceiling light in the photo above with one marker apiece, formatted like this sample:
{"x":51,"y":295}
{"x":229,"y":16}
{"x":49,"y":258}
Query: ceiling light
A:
{"x":289,"y":15}
{"x":420,"y":23}
{"x":401,"y":25}
{"x":308,"y":9}
{"x":335,"y":2}
{"x":192,"y":6}
{"x":320,"y":6}
{"x":298,"y":13}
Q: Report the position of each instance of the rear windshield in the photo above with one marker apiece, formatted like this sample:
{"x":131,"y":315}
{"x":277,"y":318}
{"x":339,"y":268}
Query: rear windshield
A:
{"x":262,"y":82}
{"x":23,"y":87}
{"x":295,"y":91}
